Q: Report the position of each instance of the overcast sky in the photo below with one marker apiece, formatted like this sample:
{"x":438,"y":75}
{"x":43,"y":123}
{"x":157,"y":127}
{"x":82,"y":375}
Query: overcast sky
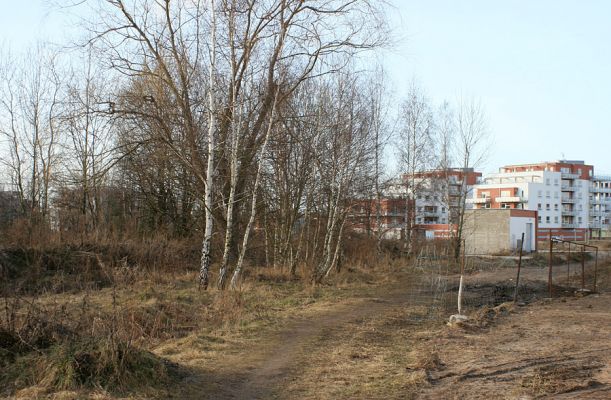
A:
{"x":541,"y":69}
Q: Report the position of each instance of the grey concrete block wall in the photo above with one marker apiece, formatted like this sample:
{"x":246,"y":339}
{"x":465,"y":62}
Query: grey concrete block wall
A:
{"x":486,"y":231}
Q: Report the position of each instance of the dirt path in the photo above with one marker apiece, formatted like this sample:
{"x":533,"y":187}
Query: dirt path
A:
{"x":278,"y":362}
{"x":393,"y":344}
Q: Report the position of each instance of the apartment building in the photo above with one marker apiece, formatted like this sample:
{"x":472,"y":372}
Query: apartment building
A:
{"x":437,"y":195}
{"x":600,"y":206}
{"x":391,"y":222}
{"x":434,"y":199}
{"x":559,"y":191}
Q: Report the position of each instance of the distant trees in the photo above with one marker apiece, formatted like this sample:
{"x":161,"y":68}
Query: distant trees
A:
{"x":416,"y":150}
{"x":229,"y":120}
{"x":447,"y":141}
{"x":30,"y":107}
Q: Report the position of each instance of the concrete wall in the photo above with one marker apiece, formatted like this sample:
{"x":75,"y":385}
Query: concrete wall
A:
{"x":492,"y":231}
{"x":487,"y":231}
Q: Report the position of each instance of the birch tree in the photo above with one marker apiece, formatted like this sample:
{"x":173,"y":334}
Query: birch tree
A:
{"x":30,"y":101}
{"x":416,"y":150}
{"x":472,"y":148}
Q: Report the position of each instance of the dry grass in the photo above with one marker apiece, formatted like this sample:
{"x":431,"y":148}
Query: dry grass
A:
{"x":120,"y":339}
{"x":373,"y":358}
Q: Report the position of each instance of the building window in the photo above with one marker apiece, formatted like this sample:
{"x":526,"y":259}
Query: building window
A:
{"x":547,"y":194}
{"x":547,"y":181}
{"x":556,"y":219}
{"x":539,"y":206}
{"x":539,"y":218}
{"x":547,"y":219}
{"x":540,"y":193}
{"x":505,"y":205}
{"x":555,"y":182}
{"x":547,"y":207}
{"x":579,"y":219}
{"x":556,"y":207}
{"x":443,"y":210}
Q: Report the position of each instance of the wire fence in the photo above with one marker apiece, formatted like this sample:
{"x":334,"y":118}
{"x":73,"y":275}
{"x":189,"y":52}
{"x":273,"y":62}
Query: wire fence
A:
{"x":560,"y":268}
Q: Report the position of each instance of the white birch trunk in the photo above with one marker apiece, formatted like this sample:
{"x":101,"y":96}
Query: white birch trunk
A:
{"x":206,"y":244}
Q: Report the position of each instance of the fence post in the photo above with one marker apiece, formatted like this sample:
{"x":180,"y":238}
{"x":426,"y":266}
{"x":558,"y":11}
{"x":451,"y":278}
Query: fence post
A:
{"x":515,"y":294}
{"x":568,"y":267}
{"x":595,"y":268}
{"x":551,"y":253}
{"x":460,"y":284}
{"x":583,"y":268}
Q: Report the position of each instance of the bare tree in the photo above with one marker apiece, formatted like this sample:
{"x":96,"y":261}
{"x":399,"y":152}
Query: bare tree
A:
{"x":253,"y":52}
{"x":472,"y":148}
{"x":30,"y":95}
{"x":416,"y":149}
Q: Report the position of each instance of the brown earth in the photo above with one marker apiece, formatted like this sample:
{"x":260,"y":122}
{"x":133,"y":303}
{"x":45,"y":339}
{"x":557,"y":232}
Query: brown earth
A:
{"x":390,"y":341}
{"x":391,"y":347}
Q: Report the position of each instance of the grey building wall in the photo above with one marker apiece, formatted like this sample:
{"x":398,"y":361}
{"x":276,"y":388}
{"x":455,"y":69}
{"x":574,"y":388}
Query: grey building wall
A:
{"x":487,"y":231}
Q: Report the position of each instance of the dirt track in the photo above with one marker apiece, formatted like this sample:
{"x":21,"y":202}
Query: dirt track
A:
{"x":373,"y":347}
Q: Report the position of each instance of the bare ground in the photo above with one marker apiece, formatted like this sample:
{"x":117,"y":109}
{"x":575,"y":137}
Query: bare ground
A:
{"x":391,"y":345}
{"x":390,"y":341}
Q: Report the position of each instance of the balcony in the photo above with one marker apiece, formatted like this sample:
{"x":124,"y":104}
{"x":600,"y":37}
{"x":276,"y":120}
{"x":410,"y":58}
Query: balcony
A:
{"x":597,"y":213}
{"x":509,"y":199}
{"x":569,"y":175}
{"x":433,"y":214}
{"x":599,"y":190}
{"x":568,"y":188}
{"x":604,"y":201}
{"x":569,"y":225}
{"x":570,"y":213}
{"x":595,"y":225}
{"x":479,"y":200}
{"x":568,"y":200}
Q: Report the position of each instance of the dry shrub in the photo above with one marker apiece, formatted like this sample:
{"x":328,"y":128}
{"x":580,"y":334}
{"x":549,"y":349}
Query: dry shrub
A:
{"x":57,"y":268}
{"x":487,"y":315}
{"x":61,"y":347}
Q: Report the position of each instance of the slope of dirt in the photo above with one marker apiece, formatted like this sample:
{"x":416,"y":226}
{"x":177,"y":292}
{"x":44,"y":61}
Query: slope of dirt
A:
{"x":552,"y":349}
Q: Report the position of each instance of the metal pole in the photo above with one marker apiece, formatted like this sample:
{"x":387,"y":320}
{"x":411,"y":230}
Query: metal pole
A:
{"x":583,"y":268}
{"x":595,"y":268}
{"x":568,"y":267}
{"x":551,"y":253}
{"x":515,"y":294}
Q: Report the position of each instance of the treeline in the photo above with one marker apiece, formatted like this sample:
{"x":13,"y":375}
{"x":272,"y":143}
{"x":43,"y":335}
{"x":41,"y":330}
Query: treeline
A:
{"x":251,"y":126}
{"x":226,"y":120}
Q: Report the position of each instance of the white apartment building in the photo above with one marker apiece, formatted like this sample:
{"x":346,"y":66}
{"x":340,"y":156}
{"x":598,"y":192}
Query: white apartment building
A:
{"x":600,"y":206}
{"x":559,"y":191}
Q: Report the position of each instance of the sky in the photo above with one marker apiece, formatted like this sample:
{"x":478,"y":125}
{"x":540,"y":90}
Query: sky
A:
{"x":541,"y":69}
